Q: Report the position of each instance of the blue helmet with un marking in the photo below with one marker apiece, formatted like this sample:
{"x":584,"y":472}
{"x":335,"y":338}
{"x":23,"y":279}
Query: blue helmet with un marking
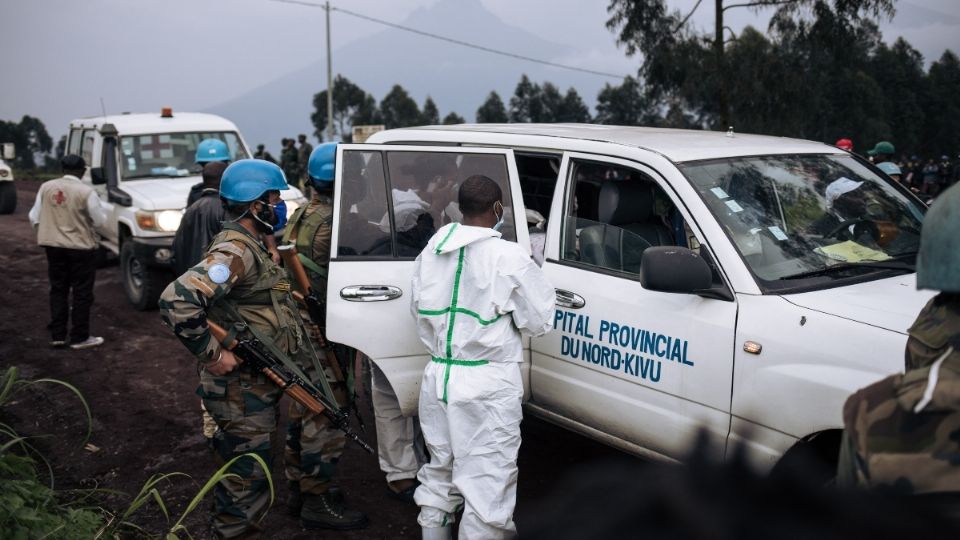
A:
{"x":248,"y":179}
{"x":321,"y":165}
{"x":212,"y":150}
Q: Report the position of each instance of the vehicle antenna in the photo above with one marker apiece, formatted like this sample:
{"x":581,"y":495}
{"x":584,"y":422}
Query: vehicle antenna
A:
{"x":103,"y":108}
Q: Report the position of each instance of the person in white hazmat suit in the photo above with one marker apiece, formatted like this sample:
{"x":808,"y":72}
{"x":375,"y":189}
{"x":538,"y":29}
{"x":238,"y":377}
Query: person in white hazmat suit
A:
{"x":473,"y":294}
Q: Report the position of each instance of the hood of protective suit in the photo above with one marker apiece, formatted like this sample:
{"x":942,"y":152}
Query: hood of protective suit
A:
{"x":454,"y":236}
{"x":472,"y":295}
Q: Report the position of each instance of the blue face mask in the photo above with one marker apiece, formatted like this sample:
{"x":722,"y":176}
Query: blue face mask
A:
{"x":280,"y":209}
{"x":499,"y":223}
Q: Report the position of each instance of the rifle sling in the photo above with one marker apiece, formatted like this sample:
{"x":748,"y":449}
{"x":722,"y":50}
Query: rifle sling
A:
{"x":232,"y":331}
{"x":324,"y":389}
{"x":312,"y":266}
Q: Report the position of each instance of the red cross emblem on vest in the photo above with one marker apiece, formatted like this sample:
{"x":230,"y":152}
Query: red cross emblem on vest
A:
{"x":59,"y":197}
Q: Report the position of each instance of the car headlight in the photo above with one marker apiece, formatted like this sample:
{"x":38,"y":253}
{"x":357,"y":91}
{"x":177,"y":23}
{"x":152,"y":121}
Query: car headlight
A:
{"x":161,"y":220}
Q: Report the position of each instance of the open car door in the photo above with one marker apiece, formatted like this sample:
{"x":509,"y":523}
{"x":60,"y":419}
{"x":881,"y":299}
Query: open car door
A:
{"x":389,"y":202}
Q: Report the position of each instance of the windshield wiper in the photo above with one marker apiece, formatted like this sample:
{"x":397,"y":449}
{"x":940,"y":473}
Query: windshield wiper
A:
{"x":905,"y":255}
{"x":843,"y":267}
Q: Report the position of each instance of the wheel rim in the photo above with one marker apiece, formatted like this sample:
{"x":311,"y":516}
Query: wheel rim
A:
{"x":135,"y":271}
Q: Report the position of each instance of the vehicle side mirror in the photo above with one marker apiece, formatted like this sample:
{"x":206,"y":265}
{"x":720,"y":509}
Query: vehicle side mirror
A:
{"x":674,"y":269}
{"x":119,"y":196}
{"x":97,"y":177}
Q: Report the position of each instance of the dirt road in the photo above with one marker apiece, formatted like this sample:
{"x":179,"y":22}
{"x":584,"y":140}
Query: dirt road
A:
{"x":140,"y":386}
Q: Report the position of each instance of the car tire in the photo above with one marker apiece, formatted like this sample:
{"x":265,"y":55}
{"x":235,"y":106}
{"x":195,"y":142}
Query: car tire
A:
{"x":142,"y":283}
{"x":814,"y":461}
{"x":8,"y":197}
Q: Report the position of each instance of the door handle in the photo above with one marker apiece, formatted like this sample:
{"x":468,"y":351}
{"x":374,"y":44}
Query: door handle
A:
{"x":370,"y":293}
{"x":568,"y":299}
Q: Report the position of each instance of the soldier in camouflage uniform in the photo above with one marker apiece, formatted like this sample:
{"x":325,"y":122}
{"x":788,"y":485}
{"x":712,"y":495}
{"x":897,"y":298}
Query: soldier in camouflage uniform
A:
{"x":238,"y":280}
{"x":290,"y":162}
{"x":902,"y":434}
{"x":309,"y":229}
{"x":303,"y":157}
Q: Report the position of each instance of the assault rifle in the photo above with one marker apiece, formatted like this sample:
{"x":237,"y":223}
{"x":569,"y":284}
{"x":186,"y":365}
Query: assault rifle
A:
{"x":317,"y":308}
{"x":253,"y":352}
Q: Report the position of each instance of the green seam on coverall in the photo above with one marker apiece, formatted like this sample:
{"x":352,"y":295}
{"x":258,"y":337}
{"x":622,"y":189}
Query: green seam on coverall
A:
{"x":452,"y":311}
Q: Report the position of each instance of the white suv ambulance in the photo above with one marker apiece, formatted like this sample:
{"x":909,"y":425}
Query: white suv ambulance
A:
{"x":742,"y":284}
{"x":143,"y":166}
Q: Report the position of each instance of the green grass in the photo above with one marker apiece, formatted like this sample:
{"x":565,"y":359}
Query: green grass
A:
{"x":31,"y":509}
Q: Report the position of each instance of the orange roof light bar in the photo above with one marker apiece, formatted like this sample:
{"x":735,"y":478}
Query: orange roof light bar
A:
{"x":166,"y":112}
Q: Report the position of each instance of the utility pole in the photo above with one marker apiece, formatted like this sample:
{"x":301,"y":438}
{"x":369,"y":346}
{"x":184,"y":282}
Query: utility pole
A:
{"x":329,"y":80}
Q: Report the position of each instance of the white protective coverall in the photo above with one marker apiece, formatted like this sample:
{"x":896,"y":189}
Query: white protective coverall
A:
{"x":473,"y":293}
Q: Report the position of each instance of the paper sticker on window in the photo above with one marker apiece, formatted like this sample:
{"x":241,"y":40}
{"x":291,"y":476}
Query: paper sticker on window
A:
{"x":734,"y":207}
{"x":719,"y":192}
{"x":131,"y":164}
{"x":777,"y":233}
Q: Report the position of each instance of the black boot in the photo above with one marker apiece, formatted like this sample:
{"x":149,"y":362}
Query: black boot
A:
{"x":295,"y":501}
{"x":327,"y":511}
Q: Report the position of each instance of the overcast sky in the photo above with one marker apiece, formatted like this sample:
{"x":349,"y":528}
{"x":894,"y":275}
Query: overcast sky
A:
{"x":59,"y":57}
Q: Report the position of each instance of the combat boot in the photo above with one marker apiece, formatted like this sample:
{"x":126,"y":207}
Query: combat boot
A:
{"x":295,"y":501}
{"x":328,"y":511}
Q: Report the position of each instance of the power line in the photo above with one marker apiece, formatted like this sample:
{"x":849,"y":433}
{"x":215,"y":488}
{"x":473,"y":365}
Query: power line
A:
{"x":452,"y":40}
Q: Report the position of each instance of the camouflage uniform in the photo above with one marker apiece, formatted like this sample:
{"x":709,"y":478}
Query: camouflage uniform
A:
{"x":303,"y":155}
{"x":290,"y":163}
{"x":243,"y":402}
{"x":310,"y":230}
{"x":891,"y":445}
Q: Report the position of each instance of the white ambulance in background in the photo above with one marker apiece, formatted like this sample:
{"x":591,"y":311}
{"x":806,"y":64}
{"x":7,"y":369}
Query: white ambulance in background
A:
{"x":738,"y":283}
{"x":142,"y":167}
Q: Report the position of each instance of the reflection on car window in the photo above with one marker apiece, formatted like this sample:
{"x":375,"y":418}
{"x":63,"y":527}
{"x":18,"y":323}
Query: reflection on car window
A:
{"x":615,"y":214}
{"x":86,"y":147}
{"x":364,"y":203}
{"x":423,"y":188}
{"x":169,"y":154}
{"x":790,"y":215}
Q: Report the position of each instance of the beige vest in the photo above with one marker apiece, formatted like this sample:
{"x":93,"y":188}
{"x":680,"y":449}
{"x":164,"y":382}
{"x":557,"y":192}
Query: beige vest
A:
{"x":64,"y":218}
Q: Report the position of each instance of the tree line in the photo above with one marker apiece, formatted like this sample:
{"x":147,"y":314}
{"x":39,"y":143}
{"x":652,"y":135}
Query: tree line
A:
{"x":820,"y":72}
{"x":30,"y":139}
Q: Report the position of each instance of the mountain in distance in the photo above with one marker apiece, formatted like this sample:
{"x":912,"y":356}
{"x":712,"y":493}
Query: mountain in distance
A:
{"x":456,"y":77}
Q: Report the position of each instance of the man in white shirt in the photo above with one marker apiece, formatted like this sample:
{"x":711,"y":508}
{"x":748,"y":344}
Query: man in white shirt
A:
{"x":65,"y":215}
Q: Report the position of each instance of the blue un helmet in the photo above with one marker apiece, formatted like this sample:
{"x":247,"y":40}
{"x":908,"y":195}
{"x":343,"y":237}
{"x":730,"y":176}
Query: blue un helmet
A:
{"x":212,"y":150}
{"x":248,"y":179}
{"x":321,"y":165}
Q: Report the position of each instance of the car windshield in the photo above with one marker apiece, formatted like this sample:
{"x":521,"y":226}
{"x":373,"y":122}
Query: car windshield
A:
{"x":802,"y":217}
{"x":170,"y":154}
